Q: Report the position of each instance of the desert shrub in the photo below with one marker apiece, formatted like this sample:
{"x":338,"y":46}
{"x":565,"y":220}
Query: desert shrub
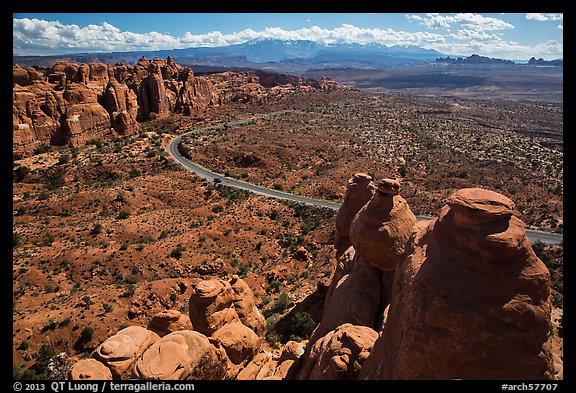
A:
{"x":63,"y":158}
{"x":177,"y":252}
{"x":123,"y":214}
{"x":96,"y":229}
{"x":243,"y":269}
{"x":86,"y":334}
{"x":217,"y":209}
{"x":281,"y":303}
{"x":41,"y":149}
{"x":20,"y":173}
{"x":134,"y":173}
{"x":15,"y":239}
{"x":297,"y":326}
{"x":273,"y":214}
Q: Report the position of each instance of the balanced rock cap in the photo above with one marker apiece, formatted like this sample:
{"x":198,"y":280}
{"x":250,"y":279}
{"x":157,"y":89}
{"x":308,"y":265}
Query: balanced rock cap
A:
{"x":388,"y":186}
{"x":480,"y":205}
{"x":208,"y":288}
{"x":360,"y":177}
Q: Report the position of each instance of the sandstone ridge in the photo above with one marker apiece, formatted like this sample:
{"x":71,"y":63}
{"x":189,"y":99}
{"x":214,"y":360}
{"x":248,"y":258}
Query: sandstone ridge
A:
{"x":71,"y":104}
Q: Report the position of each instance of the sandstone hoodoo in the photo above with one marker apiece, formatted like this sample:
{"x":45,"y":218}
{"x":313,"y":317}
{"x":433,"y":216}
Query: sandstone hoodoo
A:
{"x":360,"y":288}
{"x":470,"y":299}
{"x":73,"y":104}
{"x":381,"y":228}
{"x":359,"y":191}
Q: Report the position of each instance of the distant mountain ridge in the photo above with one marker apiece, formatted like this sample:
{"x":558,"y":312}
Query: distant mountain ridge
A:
{"x":263,"y":54}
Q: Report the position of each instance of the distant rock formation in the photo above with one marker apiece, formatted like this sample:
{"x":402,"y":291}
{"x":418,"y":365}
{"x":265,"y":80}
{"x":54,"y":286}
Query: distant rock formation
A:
{"x":73,"y":103}
{"x":473,"y":59}
{"x":542,"y":62}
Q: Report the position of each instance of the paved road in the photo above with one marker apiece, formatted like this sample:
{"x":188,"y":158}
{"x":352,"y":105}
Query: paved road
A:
{"x":545,"y":237}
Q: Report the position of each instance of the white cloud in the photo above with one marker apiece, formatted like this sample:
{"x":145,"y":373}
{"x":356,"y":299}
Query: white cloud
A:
{"x":544,"y":17}
{"x":504,"y":49}
{"x":561,"y":27}
{"x":35,"y":36}
{"x":466,"y":34}
{"x":473,"y":34}
{"x":468,"y":20}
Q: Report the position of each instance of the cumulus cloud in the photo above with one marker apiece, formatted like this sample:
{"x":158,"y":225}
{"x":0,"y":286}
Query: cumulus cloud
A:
{"x":468,"y":20}
{"x":473,"y":34}
{"x":544,"y":17}
{"x":35,"y":36}
{"x":504,"y":49}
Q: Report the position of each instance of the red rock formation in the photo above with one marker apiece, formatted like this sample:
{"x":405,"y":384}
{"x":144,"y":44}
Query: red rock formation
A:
{"x":211,"y":307}
{"x":90,"y":369}
{"x":181,"y":355}
{"x":381,"y":228}
{"x":340,"y":354}
{"x":355,"y":298}
{"x":120,"y":351}
{"x":85,"y":119}
{"x":148,"y":90}
{"x":245,"y":306}
{"x":122,"y":105}
{"x":326,"y":83}
{"x":169,"y":321}
{"x":470,"y":299}
{"x":359,"y":191}
{"x":20,"y":76}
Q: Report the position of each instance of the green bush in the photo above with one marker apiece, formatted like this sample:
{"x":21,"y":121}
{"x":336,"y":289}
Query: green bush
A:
{"x":281,"y":303}
{"x":63,"y":159}
{"x":86,"y":334}
{"x":217,"y":209}
{"x":123,"y":214}
{"x":177,"y":252}
{"x":96,"y":229}
{"x":41,"y":149}
{"x":20,"y":173}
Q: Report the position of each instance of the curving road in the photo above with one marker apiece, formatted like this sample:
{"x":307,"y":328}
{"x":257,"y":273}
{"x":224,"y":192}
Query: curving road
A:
{"x":544,"y":237}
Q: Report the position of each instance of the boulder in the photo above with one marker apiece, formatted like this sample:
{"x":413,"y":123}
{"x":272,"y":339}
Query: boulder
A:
{"x":240,"y":342}
{"x":340,"y":354}
{"x":470,"y":299}
{"x":90,"y":369}
{"x":120,"y":351}
{"x":169,"y":321}
{"x":181,"y":355}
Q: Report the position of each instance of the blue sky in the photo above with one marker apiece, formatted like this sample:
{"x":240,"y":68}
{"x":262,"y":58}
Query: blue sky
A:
{"x":516,"y":36}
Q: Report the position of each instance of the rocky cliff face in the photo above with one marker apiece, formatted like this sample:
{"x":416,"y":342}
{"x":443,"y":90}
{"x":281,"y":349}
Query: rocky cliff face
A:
{"x":74,"y":103}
